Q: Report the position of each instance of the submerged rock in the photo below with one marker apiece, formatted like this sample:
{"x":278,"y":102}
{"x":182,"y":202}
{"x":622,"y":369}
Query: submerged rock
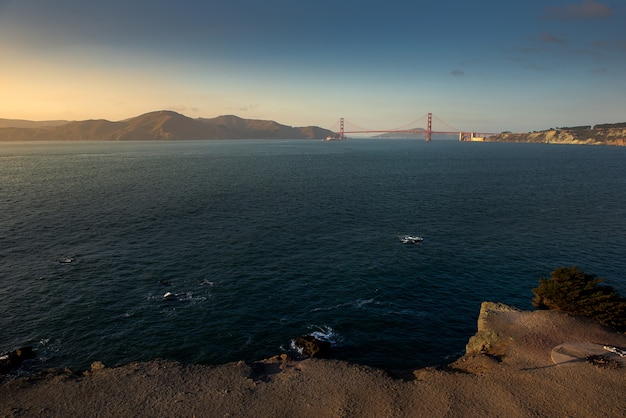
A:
{"x":15,"y":358}
{"x":312,"y":347}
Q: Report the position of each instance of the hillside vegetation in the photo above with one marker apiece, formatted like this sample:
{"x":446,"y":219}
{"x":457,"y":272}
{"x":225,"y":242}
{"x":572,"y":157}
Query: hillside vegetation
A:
{"x":160,"y":125}
{"x":602,"y":134}
{"x":573,"y":291}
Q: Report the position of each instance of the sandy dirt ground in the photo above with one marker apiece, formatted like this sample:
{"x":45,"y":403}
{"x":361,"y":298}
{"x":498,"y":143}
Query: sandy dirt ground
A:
{"x":508,"y":371}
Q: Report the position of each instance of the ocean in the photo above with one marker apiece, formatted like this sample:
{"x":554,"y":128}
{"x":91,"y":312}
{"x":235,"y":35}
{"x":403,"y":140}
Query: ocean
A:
{"x":258,"y":242}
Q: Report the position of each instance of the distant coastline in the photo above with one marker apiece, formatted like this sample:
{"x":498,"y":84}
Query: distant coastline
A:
{"x":159,"y":125}
{"x":169,"y":125}
{"x":605,"y":134}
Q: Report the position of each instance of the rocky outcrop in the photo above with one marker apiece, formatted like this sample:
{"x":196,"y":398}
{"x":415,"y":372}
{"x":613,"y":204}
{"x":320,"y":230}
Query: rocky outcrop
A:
{"x":514,"y":337}
{"x":15,"y":358}
{"x":312,"y":347}
{"x":597,"y":136}
{"x":487,"y":340}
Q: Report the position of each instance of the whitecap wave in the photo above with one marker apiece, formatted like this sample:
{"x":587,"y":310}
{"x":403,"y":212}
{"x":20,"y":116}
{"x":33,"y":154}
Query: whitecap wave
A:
{"x":411,"y":239}
{"x":320,"y":332}
{"x":358,"y":303}
{"x":294,"y":347}
{"x":407,"y":312}
{"x":325,"y":333}
{"x":178,"y":297}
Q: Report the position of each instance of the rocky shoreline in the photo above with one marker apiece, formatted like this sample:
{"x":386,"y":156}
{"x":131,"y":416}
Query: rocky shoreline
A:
{"x":519,"y":363}
{"x":615,"y":136}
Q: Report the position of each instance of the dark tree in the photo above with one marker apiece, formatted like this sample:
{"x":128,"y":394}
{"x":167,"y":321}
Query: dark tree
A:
{"x":573,"y":291}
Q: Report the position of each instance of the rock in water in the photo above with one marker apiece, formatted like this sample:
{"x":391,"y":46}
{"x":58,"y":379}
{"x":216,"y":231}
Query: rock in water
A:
{"x":312,"y":347}
{"x":15,"y":358}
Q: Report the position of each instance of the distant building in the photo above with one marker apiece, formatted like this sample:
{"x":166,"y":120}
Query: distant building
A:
{"x":470,"y":137}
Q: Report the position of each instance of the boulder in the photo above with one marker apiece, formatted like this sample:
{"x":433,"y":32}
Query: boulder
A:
{"x":15,"y":358}
{"x":312,"y":347}
{"x":97,"y":365}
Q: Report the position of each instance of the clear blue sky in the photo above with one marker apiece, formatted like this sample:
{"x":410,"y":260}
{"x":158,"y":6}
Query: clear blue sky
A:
{"x":481,"y":65}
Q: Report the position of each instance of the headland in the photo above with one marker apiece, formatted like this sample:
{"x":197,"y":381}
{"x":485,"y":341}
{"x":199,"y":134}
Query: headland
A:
{"x":601,"y":134}
{"x":518,"y":364}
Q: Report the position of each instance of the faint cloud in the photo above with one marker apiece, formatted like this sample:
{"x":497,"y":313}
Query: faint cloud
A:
{"x":549,"y":38}
{"x":247,"y":108}
{"x":600,"y":71}
{"x":457,"y":73}
{"x":587,"y":9}
{"x":183,"y":108}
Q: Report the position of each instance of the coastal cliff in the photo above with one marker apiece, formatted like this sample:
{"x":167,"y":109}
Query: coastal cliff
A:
{"x":607,"y":134}
{"x":513,"y":367}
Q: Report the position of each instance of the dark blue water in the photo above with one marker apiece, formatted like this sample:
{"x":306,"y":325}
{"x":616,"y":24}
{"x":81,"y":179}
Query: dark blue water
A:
{"x":263,"y":241}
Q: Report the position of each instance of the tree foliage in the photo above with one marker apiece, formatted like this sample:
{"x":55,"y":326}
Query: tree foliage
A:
{"x":573,"y":291}
{"x":610,"y":125}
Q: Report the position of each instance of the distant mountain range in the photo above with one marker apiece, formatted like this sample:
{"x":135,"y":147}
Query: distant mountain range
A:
{"x":20,"y":123}
{"x":159,"y":125}
{"x":402,"y":135}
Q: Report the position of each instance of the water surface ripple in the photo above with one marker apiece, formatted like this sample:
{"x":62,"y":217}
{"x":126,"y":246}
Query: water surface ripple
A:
{"x":262,"y":241}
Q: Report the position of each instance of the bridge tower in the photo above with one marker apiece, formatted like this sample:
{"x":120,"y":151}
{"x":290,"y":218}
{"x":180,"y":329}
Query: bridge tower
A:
{"x":429,"y":127}
{"x":341,"y":128}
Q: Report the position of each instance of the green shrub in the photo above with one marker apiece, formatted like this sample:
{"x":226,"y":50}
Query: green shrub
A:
{"x":571,"y":290}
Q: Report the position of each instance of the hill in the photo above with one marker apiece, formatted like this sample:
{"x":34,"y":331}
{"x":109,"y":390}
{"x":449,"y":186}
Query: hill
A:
{"x":420,"y":133}
{"x":403,"y":135}
{"x":159,"y":125}
{"x":20,"y":123}
{"x":603,"y":134}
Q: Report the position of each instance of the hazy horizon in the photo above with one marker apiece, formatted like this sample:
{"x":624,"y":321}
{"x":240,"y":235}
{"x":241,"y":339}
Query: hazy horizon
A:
{"x":485,"y":67}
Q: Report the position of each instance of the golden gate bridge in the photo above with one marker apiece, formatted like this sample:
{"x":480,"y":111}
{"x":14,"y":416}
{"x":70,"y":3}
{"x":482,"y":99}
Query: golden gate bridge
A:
{"x":428,"y":132}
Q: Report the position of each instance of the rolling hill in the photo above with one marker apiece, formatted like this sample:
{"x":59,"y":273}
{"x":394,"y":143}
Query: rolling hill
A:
{"x":159,"y":125}
{"x":20,"y":123}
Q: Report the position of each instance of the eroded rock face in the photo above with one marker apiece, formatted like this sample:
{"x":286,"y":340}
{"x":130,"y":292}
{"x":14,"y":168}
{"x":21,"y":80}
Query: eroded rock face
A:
{"x":530,"y":339}
{"x":312,"y":347}
{"x":486,"y":340}
{"x":14,"y":359}
{"x":598,"y":136}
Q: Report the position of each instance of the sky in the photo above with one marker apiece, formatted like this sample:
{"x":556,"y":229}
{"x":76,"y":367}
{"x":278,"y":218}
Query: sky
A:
{"x":481,"y":65}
